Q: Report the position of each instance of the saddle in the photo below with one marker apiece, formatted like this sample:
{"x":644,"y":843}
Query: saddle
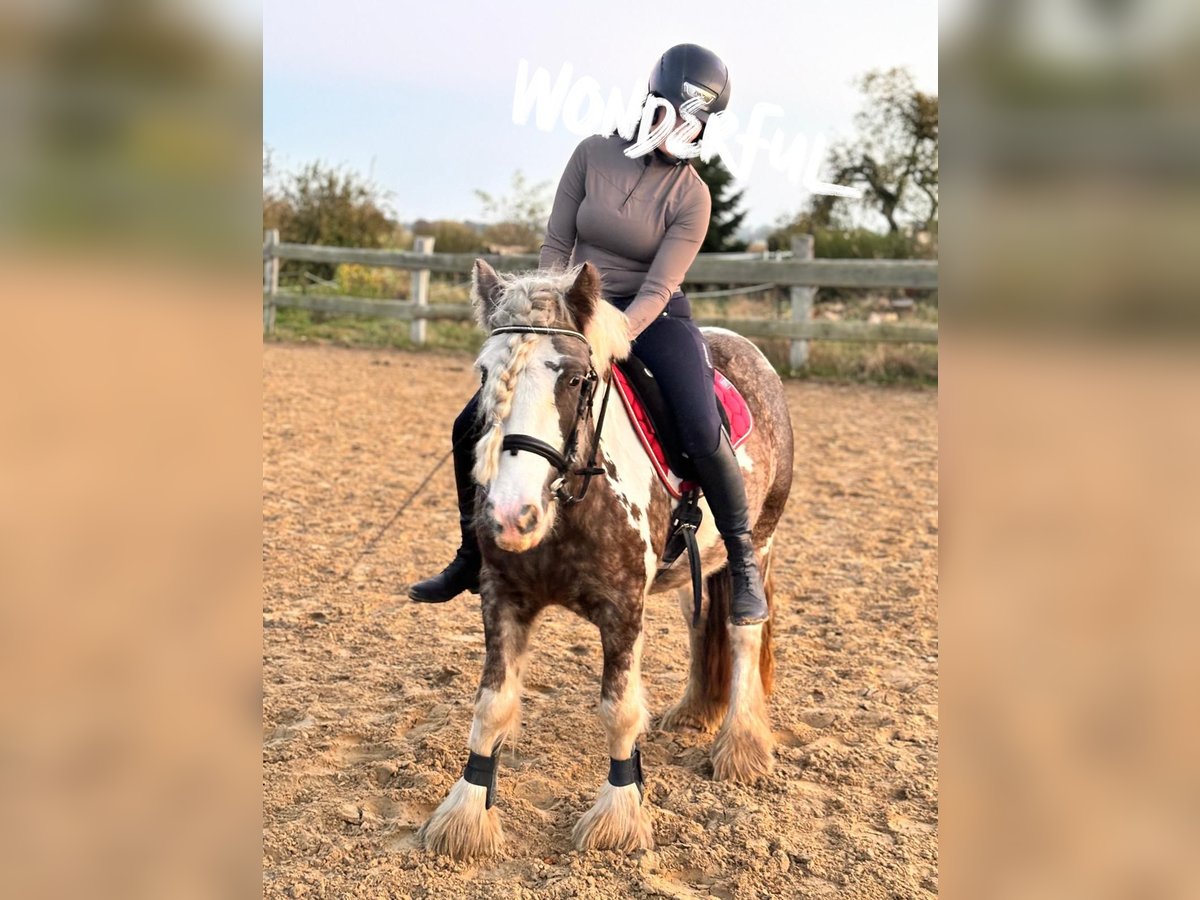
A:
{"x":655,"y":426}
{"x":655,"y":423}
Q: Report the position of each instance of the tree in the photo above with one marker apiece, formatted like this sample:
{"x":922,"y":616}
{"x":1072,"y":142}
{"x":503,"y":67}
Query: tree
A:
{"x":894,"y":157}
{"x":726,"y":218}
{"x":321,"y":204}
{"x":519,"y":217}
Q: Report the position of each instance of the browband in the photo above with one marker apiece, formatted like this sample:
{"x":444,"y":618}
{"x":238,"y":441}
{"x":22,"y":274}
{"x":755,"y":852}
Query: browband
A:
{"x":539,"y":329}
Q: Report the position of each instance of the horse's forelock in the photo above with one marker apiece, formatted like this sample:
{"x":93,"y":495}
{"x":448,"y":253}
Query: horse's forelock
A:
{"x":539,"y":298}
{"x":534,"y":299}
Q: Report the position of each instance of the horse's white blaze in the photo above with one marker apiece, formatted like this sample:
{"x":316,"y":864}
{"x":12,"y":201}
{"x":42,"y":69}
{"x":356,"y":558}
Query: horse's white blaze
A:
{"x":516,"y":480}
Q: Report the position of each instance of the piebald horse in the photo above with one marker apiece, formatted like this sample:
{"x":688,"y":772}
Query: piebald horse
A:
{"x":551,"y":341}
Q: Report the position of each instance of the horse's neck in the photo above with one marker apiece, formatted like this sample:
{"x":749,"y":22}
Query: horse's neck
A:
{"x":616,"y":426}
{"x":620,"y":445}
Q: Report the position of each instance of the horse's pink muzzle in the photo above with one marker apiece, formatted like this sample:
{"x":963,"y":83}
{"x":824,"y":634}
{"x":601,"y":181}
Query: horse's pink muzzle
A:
{"x":515,"y":525}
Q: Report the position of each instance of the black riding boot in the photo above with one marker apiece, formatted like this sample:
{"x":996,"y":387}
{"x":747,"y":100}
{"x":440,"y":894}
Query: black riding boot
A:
{"x":721,"y":479}
{"x":463,"y":572}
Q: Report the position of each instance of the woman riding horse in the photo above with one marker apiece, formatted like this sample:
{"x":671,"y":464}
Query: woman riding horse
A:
{"x":641,"y":222}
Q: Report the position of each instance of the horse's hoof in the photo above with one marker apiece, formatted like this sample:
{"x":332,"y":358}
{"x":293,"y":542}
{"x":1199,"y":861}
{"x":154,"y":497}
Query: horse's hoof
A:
{"x":463,"y":827}
{"x":686,"y":715}
{"x":743,"y":754}
{"x":617,"y":821}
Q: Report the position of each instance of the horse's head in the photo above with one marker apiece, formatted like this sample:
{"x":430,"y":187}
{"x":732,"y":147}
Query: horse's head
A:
{"x":536,"y":385}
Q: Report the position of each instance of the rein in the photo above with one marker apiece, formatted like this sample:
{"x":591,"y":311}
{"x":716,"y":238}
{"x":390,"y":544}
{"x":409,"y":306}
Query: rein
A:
{"x":561,"y":460}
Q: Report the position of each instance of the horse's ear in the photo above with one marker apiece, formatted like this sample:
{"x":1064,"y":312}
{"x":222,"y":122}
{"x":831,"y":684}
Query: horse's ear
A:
{"x":583,"y":295}
{"x":486,"y":288}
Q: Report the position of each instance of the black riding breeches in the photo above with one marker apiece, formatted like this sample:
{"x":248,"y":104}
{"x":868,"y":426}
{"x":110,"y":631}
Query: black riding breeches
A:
{"x":468,"y":429}
{"x":678,"y":357}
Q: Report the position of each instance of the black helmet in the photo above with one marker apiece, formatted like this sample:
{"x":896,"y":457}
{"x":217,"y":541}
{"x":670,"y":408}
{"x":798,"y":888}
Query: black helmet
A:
{"x":688,"y":70}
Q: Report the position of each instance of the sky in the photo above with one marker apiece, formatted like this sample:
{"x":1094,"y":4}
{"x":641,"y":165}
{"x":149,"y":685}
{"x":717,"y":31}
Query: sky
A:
{"x":420,"y":96}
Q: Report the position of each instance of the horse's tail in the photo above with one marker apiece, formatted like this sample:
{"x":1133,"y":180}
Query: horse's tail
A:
{"x":718,"y":656}
{"x":766,"y":654}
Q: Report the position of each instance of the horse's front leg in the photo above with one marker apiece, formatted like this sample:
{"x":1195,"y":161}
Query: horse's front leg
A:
{"x":617,"y":820}
{"x":467,"y":824}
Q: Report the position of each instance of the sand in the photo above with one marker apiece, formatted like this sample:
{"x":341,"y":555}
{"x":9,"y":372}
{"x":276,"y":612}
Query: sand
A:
{"x":368,"y":697}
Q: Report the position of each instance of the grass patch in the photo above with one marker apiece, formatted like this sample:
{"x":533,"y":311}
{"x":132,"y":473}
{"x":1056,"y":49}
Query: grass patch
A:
{"x":303,"y":326}
{"x":881,"y":363}
{"x":878,"y":363}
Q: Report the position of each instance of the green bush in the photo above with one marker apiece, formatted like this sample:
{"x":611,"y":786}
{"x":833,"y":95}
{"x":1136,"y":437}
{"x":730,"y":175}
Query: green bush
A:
{"x":321,"y":204}
{"x":857,"y":243}
{"x":450,"y":236}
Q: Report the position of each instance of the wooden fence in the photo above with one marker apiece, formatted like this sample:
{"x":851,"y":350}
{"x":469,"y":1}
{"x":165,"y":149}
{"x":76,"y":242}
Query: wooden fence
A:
{"x":800,"y":272}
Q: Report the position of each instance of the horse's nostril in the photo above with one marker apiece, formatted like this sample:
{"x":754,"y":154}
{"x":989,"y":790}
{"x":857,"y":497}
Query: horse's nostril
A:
{"x":490,"y":518}
{"x":529,"y":518}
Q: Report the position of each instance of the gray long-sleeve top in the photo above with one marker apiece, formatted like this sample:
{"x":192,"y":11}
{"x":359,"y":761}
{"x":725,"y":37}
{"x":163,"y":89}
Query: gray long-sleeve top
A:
{"x":639,"y":221}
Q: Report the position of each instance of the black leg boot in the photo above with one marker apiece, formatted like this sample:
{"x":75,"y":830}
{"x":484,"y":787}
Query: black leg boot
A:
{"x":463,"y":572}
{"x":721,"y":479}
{"x":461,"y":575}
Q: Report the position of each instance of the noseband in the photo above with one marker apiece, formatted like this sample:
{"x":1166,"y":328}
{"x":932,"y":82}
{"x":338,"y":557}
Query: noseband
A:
{"x":562,"y":460}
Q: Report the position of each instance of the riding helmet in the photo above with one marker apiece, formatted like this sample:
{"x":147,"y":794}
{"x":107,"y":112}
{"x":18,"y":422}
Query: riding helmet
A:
{"x":689,"y":70}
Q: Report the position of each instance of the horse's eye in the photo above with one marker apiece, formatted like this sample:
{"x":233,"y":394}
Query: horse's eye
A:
{"x":575,"y":380}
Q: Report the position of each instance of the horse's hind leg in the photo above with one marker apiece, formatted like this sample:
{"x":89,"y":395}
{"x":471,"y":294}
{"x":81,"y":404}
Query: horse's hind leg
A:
{"x":743,"y":748}
{"x":617,"y":820}
{"x":706,"y":696}
{"x":466,"y":824}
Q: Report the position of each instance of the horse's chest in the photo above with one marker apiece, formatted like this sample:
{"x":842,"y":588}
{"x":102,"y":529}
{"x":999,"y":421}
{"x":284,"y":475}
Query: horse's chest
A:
{"x":596,"y":549}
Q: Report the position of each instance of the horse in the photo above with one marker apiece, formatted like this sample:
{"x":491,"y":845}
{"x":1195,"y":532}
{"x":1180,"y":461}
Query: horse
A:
{"x":590,"y":538}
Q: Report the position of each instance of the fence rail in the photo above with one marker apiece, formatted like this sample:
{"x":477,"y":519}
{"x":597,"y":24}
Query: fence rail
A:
{"x":799,"y":272}
{"x":843,"y":273}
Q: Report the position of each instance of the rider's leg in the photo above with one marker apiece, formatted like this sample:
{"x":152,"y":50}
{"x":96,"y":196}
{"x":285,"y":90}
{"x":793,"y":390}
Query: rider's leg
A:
{"x":675,"y":351}
{"x":463,"y":572}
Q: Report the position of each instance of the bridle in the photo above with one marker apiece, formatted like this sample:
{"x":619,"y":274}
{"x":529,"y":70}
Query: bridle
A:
{"x":563,"y":460}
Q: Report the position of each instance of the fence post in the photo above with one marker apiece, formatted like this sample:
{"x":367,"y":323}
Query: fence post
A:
{"x":270,"y":278}
{"x":420,"y":289}
{"x":802,"y":301}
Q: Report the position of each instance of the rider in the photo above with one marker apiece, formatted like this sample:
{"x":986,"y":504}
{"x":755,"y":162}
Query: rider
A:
{"x":641,"y":221}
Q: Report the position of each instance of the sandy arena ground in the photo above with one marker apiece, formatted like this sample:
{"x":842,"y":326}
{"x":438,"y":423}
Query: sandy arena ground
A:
{"x":368,"y":697}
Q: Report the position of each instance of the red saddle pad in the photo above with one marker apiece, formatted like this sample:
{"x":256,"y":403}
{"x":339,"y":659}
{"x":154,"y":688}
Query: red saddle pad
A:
{"x":741,"y":423}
